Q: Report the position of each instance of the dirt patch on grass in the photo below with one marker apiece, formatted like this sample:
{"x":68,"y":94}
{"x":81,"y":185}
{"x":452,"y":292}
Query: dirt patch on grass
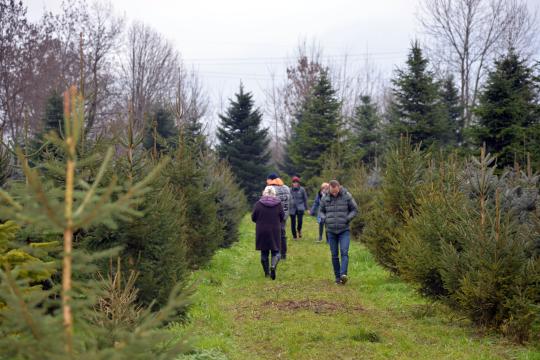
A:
{"x":317,"y":306}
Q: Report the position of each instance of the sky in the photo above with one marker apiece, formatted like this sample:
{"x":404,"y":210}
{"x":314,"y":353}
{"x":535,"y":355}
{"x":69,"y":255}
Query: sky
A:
{"x":248,"y":40}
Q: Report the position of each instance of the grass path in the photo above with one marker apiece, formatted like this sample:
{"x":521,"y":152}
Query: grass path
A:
{"x":303,"y":315}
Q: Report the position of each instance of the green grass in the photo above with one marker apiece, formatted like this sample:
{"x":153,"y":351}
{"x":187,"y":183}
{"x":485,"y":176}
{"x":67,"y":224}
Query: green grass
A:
{"x":238,"y":314}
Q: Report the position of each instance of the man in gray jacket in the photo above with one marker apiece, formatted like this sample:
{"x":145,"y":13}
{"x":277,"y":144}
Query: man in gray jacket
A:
{"x":338,"y":208}
{"x":284,"y":194}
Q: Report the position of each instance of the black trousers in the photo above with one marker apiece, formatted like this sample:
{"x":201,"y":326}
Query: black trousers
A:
{"x":283,"y":239}
{"x":294,"y":226}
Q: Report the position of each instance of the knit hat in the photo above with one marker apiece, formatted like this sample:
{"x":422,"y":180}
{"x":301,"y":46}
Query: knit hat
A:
{"x":272,"y":176}
{"x":295,"y":179}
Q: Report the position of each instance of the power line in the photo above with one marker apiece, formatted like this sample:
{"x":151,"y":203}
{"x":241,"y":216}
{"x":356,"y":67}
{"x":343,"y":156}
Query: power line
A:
{"x":265,"y":60}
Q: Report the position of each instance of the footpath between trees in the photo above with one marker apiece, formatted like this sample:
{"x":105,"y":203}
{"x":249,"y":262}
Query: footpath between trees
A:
{"x":303,"y":314}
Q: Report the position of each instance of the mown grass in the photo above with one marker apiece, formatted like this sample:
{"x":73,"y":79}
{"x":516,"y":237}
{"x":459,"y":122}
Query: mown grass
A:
{"x":238,"y":314}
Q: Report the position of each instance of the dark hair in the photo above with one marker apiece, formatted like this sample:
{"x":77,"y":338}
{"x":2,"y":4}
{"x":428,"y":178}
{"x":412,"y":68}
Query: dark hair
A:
{"x":334,"y":183}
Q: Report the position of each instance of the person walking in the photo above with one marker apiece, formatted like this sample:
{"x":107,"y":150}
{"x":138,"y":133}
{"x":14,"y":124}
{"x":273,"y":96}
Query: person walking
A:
{"x":298,"y":206}
{"x":315,"y":208}
{"x":268,"y":215}
{"x":284,"y":194}
{"x":337,"y":210}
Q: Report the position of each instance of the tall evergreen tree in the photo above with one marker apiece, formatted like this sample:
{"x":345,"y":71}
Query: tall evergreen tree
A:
{"x":415,"y":108}
{"x":244,"y":144}
{"x":317,"y":129}
{"x":53,"y":122}
{"x":54,"y":114}
{"x":509,"y":111}
{"x":453,"y":111}
{"x":366,"y":131}
{"x":160,"y":132}
{"x":192,"y":130}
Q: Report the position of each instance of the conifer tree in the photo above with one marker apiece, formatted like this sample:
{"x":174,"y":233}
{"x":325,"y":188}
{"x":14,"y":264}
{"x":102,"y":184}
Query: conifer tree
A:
{"x":366,"y":138}
{"x":453,"y":111}
{"x":203,"y":230}
{"x":53,"y":122}
{"x":509,"y":111}
{"x":31,"y":326}
{"x":415,"y":108}
{"x":160,"y":132}
{"x":244,"y":144}
{"x":193,"y":133}
{"x":317,"y":128}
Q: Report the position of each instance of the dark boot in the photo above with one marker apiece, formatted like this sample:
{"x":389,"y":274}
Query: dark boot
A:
{"x":275,"y":260}
{"x":266,"y":267}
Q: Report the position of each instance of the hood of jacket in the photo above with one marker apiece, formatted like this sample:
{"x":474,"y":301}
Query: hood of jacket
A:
{"x":270,"y":201}
{"x":276,"y":181}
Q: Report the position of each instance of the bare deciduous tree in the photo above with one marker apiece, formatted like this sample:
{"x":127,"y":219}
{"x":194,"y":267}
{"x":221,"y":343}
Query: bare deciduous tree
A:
{"x":17,"y":47}
{"x":190,"y":103}
{"x":101,"y":34}
{"x":149,"y":70}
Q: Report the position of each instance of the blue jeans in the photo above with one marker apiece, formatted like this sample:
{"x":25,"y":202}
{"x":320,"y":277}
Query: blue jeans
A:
{"x":339,"y":244}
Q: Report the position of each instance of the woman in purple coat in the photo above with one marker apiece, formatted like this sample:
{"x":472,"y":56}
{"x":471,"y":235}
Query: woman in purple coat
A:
{"x":268,"y":215}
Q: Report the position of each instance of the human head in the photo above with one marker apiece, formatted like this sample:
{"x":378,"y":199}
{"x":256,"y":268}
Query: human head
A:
{"x":269,"y":191}
{"x":296,"y":181}
{"x":272,"y":176}
{"x":335,"y":187}
{"x":324,"y":187}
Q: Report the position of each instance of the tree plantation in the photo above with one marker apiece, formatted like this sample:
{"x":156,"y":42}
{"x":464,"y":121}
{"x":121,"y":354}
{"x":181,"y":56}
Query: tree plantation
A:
{"x":127,"y":193}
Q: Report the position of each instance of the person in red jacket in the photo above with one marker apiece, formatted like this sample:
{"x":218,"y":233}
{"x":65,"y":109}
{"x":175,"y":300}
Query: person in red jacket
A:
{"x":268,"y":215}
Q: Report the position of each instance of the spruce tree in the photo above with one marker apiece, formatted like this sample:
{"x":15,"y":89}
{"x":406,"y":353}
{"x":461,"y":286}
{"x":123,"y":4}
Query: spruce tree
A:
{"x":192,"y":132}
{"x":64,"y":322}
{"x":452,"y":108}
{"x":415,"y":108}
{"x":509,"y":111}
{"x":160,"y":132}
{"x":52,"y":123}
{"x":244,"y":144}
{"x":366,"y":136}
{"x":54,"y":114}
{"x":317,"y":129}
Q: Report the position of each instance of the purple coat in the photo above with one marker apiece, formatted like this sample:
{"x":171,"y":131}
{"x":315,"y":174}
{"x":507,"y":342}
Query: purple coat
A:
{"x":268,"y":215}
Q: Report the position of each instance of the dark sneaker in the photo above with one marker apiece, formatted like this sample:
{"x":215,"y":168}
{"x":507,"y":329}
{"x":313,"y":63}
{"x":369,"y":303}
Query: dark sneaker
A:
{"x":299,"y":234}
{"x":344,"y":279}
{"x":273,"y":273}
{"x":338,"y":281}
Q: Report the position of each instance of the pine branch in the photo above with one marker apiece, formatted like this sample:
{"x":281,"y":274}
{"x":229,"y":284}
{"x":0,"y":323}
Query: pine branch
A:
{"x":22,"y":304}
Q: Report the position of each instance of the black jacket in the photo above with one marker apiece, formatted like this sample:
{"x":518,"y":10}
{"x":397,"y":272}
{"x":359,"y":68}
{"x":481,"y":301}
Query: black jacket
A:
{"x":337,"y":211}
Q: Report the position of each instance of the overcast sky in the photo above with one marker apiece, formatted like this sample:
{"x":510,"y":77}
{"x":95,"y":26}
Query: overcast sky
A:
{"x":229,"y":41}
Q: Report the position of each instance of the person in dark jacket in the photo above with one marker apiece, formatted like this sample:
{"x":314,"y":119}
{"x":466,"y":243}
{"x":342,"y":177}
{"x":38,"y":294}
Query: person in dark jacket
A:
{"x":338,"y":208}
{"x":268,"y":215}
{"x":284,"y":194}
{"x":298,"y":207}
{"x":315,"y":208}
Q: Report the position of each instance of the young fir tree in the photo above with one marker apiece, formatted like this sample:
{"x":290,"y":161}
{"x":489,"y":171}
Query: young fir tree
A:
{"x":244,"y":144}
{"x":366,"y":138}
{"x":53,"y":122}
{"x":317,"y":129}
{"x":509,"y":111}
{"x":203,"y":230}
{"x":160,"y":133}
{"x":193,"y":133}
{"x":452,"y":109}
{"x":415,"y":108}
{"x":63,"y":322}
